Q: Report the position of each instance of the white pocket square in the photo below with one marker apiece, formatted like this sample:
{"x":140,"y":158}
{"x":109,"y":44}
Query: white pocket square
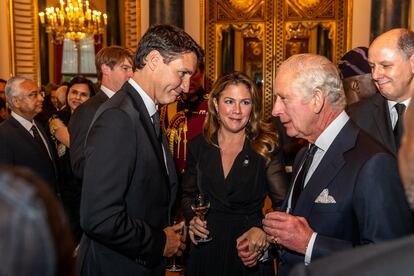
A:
{"x":324,"y":197}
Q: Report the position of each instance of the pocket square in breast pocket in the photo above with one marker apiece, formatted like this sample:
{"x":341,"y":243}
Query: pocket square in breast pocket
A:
{"x":324,"y":197}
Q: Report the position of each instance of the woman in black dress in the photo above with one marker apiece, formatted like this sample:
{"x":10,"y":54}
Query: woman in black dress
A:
{"x":236,"y":162}
{"x":80,"y":90}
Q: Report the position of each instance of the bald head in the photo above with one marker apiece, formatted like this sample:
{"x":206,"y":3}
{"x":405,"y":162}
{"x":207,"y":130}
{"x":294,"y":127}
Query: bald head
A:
{"x":406,"y":155}
{"x":391,"y":59}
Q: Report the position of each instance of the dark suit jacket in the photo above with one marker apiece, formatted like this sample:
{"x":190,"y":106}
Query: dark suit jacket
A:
{"x":78,"y":128}
{"x":384,"y":259}
{"x":18,"y":148}
{"x":370,"y":205}
{"x":373,"y":116}
{"x":126,"y":192}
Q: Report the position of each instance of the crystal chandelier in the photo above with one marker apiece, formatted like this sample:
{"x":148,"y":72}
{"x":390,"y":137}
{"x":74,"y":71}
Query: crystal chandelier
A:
{"x":75,"y":20}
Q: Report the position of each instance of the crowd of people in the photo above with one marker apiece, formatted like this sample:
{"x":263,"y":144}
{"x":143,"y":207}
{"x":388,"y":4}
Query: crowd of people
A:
{"x":107,"y":176}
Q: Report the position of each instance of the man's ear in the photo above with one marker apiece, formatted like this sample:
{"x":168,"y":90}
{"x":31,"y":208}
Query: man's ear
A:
{"x":412,"y":63}
{"x":153,"y":59}
{"x":318,"y":100}
{"x":105,"y":69}
{"x":15,"y":101}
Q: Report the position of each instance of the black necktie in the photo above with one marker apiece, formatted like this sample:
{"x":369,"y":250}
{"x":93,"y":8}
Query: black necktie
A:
{"x":399,"y":126}
{"x":300,"y":179}
{"x":38,"y":138}
{"x":156,"y":122}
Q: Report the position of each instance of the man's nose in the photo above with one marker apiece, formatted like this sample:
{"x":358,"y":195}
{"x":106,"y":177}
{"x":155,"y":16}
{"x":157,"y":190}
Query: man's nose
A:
{"x":185,"y":85}
{"x":276,"y":108}
{"x":376,"y":73}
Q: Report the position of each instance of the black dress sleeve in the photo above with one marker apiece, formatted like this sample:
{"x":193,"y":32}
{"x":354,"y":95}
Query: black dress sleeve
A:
{"x":277,"y":180}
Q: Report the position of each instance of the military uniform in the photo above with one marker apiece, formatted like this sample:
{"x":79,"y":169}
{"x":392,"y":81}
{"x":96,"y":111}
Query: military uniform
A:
{"x":182,"y":121}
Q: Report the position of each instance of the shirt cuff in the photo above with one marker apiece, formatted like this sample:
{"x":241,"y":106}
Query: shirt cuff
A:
{"x":309,"y":248}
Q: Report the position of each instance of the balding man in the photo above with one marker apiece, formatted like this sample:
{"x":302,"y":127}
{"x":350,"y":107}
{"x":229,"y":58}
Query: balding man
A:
{"x":23,"y":142}
{"x":346,"y":190}
{"x":391,"y":59}
{"x":388,"y":258}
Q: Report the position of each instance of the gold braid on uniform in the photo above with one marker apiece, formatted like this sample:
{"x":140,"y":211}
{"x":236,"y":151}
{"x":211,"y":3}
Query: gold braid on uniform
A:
{"x":176,"y":126}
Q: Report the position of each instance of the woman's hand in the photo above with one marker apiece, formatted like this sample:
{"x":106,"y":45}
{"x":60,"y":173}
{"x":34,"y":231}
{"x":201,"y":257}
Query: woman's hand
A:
{"x":59,"y":130}
{"x":251,"y":245}
{"x":197,"y":228}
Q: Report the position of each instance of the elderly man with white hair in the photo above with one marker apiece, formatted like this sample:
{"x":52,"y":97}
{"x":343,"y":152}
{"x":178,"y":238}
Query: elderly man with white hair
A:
{"x":23,"y":141}
{"x":388,"y":258}
{"x":345,"y":188}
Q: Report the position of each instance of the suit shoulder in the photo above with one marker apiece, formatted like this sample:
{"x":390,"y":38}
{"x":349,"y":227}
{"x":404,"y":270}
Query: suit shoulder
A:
{"x":368,"y":145}
{"x":364,"y":104}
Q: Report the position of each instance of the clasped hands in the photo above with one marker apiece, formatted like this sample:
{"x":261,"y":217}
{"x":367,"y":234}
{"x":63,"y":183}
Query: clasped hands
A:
{"x":251,"y":245}
{"x":174,"y":244}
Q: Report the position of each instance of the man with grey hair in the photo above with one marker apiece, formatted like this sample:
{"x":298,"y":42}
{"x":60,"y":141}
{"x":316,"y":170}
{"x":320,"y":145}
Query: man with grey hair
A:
{"x":345,"y":187}
{"x":23,"y":141}
{"x":391,"y":59}
{"x":388,"y":258}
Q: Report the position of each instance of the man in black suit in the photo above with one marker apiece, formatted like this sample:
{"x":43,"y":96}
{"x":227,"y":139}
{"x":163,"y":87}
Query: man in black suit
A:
{"x":345,"y":189}
{"x":383,"y":259}
{"x":114,"y":68}
{"x":129,"y":181}
{"x":23,"y":141}
{"x":391,"y":59}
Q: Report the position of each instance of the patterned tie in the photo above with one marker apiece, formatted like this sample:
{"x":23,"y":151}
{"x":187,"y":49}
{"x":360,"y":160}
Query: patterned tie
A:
{"x":399,"y":126}
{"x":156,"y":124}
{"x":300,"y":179}
{"x":38,"y":138}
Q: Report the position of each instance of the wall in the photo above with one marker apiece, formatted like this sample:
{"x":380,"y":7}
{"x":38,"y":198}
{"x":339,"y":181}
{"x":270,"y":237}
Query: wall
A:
{"x":361,"y":23}
{"x":5,"y":54}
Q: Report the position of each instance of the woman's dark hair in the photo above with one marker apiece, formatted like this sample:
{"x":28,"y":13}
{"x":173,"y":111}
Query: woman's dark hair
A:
{"x":82,"y":80}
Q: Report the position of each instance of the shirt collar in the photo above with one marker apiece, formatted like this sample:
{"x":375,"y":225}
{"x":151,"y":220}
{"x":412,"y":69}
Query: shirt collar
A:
{"x":149,"y":103}
{"x":326,"y":138}
{"x":392,"y":103}
{"x":25,"y":123}
{"x":107,"y":91}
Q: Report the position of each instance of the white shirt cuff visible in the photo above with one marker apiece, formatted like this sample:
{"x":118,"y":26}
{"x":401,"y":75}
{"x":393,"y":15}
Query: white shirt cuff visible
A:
{"x":309,"y":249}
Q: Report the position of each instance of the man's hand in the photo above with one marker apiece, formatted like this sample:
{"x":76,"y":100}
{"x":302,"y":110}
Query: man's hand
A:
{"x":289,"y":231}
{"x":174,"y":244}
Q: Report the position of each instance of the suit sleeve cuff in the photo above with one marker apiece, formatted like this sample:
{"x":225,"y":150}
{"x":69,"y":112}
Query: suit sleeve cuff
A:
{"x":309,"y":248}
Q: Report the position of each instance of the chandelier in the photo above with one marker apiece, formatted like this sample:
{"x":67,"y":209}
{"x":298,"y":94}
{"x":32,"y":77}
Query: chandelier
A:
{"x":75,"y":20}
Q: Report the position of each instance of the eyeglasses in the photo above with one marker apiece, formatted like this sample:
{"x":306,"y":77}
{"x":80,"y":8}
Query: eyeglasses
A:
{"x":35,"y":94}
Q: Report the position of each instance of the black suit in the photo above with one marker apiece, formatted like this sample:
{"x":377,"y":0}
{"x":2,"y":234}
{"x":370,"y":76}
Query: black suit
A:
{"x":78,"y":128}
{"x":362,"y":177}
{"x":373,"y":116}
{"x":126,"y":193}
{"x":18,"y":148}
{"x":384,"y":259}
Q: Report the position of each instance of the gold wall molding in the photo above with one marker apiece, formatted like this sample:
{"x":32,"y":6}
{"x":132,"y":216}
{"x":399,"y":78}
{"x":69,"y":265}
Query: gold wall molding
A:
{"x":282,"y":28}
{"x":25,"y":38}
{"x":132,"y":23}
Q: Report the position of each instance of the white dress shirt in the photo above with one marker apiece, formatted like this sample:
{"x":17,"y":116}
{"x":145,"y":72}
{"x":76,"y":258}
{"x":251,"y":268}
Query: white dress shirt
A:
{"x":393,"y":111}
{"x":107,"y":91}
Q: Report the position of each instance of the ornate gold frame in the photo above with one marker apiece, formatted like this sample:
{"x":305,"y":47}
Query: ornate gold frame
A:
{"x":278,"y":21}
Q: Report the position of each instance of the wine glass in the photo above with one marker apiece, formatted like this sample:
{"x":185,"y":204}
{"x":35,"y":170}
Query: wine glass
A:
{"x":174,"y":267}
{"x":200,"y":206}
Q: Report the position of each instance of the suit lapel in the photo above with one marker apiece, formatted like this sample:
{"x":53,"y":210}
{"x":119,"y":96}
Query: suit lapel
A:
{"x":328,"y":168}
{"x":383,"y":122}
{"x":28,"y":136}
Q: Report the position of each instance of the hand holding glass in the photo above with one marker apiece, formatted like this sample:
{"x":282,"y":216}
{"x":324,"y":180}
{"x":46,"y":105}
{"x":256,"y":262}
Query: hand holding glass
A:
{"x":200,"y":207}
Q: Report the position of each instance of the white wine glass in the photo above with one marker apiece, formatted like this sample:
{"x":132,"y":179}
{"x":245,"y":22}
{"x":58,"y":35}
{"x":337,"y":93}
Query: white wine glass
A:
{"x":200,"y":206}
{"x":174,"y":267}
